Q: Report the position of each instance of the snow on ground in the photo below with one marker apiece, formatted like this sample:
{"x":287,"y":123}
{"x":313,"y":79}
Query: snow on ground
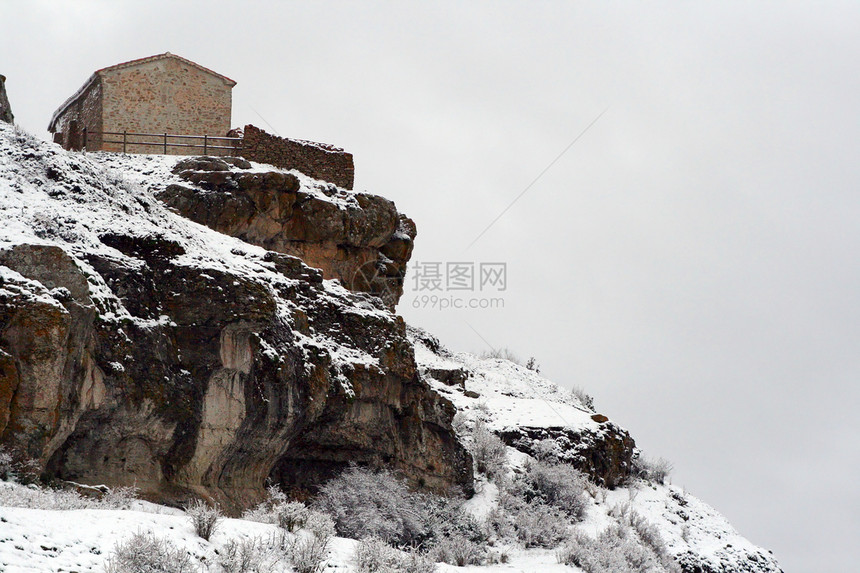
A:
{"x":504,"y":395}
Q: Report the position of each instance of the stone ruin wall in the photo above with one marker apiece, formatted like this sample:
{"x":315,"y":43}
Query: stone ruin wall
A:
{"x":165,"y":96}
{"x":313,"y":159}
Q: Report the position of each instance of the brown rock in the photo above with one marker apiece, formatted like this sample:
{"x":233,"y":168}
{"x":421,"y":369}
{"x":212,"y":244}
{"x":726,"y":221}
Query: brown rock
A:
{"x":5,"y":108}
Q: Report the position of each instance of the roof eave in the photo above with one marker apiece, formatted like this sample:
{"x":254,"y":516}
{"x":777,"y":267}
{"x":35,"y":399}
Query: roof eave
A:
{"x":62,"y":109}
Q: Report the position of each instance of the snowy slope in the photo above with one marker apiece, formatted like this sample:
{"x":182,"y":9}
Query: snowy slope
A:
{"x":505,"y":395}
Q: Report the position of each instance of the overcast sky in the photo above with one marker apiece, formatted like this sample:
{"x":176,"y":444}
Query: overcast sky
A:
{"x":691,"y":261}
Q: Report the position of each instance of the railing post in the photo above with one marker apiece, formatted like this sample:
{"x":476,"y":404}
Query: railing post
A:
{"x":205,"y":144}
{"x":124,"y":138}
{"x":165,"y":143}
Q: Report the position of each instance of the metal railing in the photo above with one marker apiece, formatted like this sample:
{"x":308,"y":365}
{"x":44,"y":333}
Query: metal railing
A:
{"x":209,"y":142}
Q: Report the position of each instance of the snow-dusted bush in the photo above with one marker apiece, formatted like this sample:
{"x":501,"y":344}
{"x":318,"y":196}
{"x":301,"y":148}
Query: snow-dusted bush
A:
{"x":308,"y":550}
{"x":557,"y":484}
{"x":502,"y":354}
{"x":631,"y":545}
{"x":458,"y":550}
{"x":6,"y":465}
{"x":364,"y":502}
{"x":14,"y":466}
{"x":120,"y":497}
{"x":488,"y":451}
{"x":583,"y":397}
{"x":278,"y":510}
{"x":249,"y":555}
{"x":146,"y":553}
{"x":656,"y":471}
{"x":546,"y":450}
{"x":373,"y":555}
{"x":32,"y":497}
{"x":203,"y":518}
{"x":537,"y":524}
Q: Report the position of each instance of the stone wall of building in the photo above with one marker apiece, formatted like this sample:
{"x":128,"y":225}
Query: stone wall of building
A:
{"x":83,"y":115}
{"x":316,"y":160}
{"x":164,"y":96}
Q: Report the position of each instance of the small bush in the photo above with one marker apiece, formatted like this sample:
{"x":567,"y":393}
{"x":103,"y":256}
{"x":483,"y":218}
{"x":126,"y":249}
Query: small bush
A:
{"x":458,"y":550}
{"x":249,"y":555}
{"x":488,"y":451}
{"x":7,"y":468}
{"x":655,"y":471}
{"x":631,"y":544}
{"x":17,"y":467}
{"x":204,"y":519}
{"x":502,"y":354}
{"x":120,"y":497}
{"x":583,"y":397}
{"x":557,"y":484}
{"x":364,"y":502}
{"x":539,"y":525}
{"x":146,"y":553}
{"x":373,"y":555}
{"x":308,"y":550}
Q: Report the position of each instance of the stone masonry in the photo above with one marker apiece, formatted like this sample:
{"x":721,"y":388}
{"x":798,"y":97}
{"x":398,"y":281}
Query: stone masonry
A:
{"x":316,"y":160}
{"x":160,"y":94}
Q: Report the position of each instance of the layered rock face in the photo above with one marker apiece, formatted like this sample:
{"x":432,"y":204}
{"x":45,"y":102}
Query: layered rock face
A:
{"x":527,"y":411}
{"x":137,"y":348}
{"x":357,"y":238}
{"x":5,"y":108}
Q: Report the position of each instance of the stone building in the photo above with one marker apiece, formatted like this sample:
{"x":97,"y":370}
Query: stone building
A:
{"x":163,"y":94}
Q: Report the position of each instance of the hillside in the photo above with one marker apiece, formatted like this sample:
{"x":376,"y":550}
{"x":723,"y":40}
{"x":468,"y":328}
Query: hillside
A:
{"x":141,"y":346}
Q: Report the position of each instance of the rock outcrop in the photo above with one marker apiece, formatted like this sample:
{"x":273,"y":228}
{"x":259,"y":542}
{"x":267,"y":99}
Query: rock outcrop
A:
{"x":527,"y":411}
{"x":5,"y":108}
{"x":357,"y":238}
{"x":138,"y":348}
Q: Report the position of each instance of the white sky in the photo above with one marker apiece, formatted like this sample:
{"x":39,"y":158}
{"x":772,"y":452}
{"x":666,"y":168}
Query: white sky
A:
{"x":691,"y":261}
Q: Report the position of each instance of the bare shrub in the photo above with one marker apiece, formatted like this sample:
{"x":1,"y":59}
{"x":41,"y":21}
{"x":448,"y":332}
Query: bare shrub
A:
{"x":364,"y":502}
{"x":204,"y":519}
{"x":18,"y":467}
{"x":308,"y":550}
{"x":631,"y":544}
{"x":458,"y":422}
{"x":546,"y":450}
{"x":120,"y":497}
{"x":373,"y":555}
{"x":539,"y":525}
{"x":502,"y":354}
{"x":146,"y":553}
{"x":557,"y":484}
{"x":458,"y":550}
{"x":583,"y":397}
{"x":6,"y":464}
{"x":488,"y":451}
{"x":655,"y":471}
{"x":250,"y":555}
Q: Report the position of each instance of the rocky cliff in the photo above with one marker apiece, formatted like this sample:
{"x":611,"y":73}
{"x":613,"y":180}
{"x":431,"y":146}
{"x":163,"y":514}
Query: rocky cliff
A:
{"x":358,"y":238}
{"x":157,"y":331}
{"x":137,"y":347}
{"x":5,"y":108}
